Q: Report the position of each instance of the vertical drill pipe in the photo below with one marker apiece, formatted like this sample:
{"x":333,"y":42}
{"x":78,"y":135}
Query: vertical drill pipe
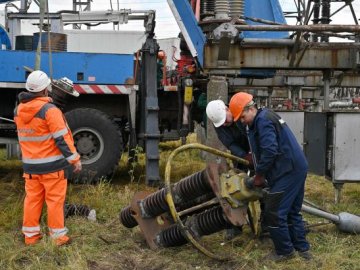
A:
{"x":169,"y":196}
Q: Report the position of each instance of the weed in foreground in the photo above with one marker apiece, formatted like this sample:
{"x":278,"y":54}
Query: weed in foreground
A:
{"x":106,"y":244}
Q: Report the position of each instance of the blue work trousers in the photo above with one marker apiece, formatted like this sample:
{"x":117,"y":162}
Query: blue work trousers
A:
{"x":282,"y":213}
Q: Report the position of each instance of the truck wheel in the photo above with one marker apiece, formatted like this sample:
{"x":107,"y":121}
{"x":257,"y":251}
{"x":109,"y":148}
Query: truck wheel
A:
{"x":98,"y":141}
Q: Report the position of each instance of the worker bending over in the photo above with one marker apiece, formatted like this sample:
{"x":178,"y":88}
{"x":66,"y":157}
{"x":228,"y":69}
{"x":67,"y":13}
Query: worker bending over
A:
{"x":231,"y":134}
{"x":48,"y":156}
{"x":279,"y":160}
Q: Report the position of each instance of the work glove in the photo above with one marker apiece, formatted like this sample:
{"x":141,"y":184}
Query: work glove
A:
{"x":77,"y":167}
{"x":257,"y":181}
{"x":248,"y":158}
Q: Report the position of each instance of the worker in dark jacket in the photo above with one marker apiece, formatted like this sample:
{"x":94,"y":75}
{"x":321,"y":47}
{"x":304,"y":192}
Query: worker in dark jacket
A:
{"x":231,"y":134}
{"x":279,"y":160}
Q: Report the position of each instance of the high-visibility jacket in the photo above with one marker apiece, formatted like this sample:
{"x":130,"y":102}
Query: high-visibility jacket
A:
{"x":45,"y":139}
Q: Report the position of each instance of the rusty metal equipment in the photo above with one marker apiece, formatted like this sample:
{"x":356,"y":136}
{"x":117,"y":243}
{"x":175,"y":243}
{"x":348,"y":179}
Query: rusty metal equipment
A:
{"x":204,"y":203}
{"x":201,"y":204}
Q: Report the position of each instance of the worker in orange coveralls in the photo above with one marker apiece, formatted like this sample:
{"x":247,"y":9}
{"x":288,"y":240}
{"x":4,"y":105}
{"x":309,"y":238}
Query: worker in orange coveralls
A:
{"x":48,"y":155}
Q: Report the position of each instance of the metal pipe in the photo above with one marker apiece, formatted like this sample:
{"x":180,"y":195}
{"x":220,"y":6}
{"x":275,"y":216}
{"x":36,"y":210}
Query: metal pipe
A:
{"x":306,"y":28}
{"x":320,"y":213}
{"x":345,"y":222}
{"x":311,"y":203}
{"x":199,"y":206}
{"x":259,"y":20}
{"x":266,"y":41}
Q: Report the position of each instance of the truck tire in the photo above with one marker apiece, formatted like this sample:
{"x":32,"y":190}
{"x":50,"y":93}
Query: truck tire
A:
{"x":98,"y":141}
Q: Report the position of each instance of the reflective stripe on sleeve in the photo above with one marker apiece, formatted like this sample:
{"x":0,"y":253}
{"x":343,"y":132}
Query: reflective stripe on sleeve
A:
{"x":72,"y":157}
{"x":41,"y":160}
{"x":60,"y":133}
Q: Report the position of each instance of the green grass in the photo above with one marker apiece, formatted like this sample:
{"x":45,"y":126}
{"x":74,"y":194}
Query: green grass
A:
{"x":106,"y":244}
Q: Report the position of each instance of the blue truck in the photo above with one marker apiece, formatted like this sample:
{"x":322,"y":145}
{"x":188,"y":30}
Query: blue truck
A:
{"x":119,"y":95}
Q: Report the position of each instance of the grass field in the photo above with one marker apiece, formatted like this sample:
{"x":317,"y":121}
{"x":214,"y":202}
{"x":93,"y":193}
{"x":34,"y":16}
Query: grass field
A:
{"x":106,"y":244}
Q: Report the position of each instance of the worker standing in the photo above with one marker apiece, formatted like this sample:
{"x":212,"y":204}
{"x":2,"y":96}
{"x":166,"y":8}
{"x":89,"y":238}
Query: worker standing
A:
{"x":279,"y":160}
{"x":48,"y":156}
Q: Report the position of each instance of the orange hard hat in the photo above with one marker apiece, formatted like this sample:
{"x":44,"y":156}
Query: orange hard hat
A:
{"x":238,"y":102}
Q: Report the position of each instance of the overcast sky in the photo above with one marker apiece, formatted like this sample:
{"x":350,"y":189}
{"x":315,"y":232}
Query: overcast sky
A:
{"x":166,"y":24}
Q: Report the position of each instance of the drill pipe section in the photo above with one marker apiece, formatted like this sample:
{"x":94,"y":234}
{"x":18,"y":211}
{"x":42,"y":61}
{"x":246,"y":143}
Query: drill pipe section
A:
{"x":345,"y":222}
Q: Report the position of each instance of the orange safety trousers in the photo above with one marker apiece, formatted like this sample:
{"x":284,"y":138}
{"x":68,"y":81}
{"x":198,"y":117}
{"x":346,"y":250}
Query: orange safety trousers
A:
{"x":51,"y":188}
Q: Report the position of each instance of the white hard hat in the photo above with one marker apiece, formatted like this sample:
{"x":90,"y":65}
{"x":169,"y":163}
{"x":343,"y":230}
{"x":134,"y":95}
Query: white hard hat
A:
{"x":216,"y":112}
{"x":37,"y":81}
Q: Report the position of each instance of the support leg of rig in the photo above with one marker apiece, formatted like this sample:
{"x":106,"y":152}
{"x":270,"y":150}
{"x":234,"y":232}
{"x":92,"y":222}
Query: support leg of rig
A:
{"x":338,"y":189}
{"x":217,"y":88}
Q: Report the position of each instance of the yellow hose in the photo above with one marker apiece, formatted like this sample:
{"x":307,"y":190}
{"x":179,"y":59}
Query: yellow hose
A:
{"x":170,"y":200}
{"x":253,"y":206}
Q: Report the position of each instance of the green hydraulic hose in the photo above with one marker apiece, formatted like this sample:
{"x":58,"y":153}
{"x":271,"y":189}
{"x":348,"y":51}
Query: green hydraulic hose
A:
{"x":170,"y":201}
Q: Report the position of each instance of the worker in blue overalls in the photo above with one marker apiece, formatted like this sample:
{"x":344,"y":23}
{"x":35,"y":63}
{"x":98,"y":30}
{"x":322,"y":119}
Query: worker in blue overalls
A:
{"x":279,"y":160}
